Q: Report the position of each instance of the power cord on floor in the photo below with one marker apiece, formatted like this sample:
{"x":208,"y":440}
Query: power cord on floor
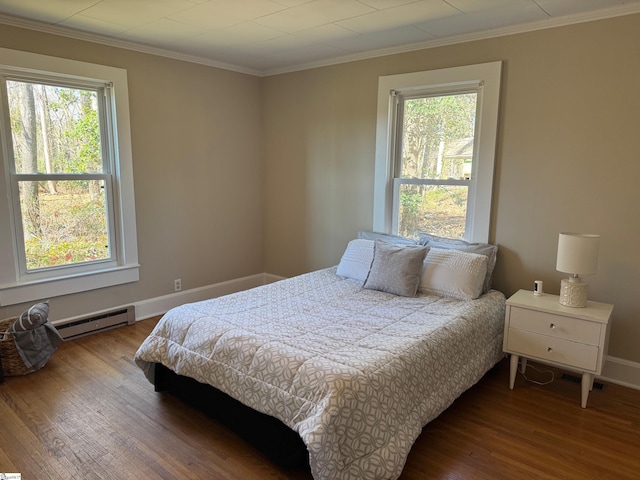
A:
{"x":524,"y":374}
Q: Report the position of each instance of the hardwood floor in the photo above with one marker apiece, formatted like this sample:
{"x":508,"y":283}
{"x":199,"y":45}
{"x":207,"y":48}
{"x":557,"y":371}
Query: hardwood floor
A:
{"x":91,"y":414}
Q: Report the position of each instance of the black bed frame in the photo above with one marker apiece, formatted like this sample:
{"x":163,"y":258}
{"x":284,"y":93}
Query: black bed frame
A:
{"x":269,"y":435}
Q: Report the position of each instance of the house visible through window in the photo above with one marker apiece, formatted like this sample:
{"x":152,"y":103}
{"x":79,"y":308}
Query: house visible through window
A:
{"x":435,"y":152}
{"x":67,"y":178}
{"x":435,"y":161}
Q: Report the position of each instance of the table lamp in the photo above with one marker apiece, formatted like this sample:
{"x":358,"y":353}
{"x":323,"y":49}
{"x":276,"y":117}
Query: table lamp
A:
{"x":577,"y":255}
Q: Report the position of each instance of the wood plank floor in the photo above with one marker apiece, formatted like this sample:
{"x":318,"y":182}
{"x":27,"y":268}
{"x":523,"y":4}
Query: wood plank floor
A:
{"x":91,"y":414}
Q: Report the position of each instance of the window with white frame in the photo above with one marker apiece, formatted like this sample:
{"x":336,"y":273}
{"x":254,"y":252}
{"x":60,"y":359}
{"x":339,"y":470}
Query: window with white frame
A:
{"x":67,"y":189}
{"x":435,"y":151}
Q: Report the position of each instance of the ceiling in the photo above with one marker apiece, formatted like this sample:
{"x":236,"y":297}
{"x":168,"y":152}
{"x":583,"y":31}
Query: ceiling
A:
{"x":264,"y":37}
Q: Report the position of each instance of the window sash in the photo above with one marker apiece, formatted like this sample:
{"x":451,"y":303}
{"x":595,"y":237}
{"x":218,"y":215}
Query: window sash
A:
{"x":397,"y":154}
{"x":483,"y":77}
{"x":103,"y":92}
{"x":398,"y":99}
{"x":397,"y":186}
{"x":15,"y":287}
{"x":46,"y":272}
{"x":397,"y":120}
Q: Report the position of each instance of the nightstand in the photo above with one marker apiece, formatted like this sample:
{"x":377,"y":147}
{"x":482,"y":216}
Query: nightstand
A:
{"x":539,"y":328}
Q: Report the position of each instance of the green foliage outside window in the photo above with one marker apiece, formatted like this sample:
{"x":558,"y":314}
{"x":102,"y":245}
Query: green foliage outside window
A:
{"x":438,"y":210}
{"x":437,"y":144}
{"x":56,"y":130}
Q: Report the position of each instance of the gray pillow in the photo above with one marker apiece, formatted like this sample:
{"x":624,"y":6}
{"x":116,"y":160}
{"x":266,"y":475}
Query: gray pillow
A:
{"x":387,"y":237}
{"x":487,"y":249}
{"x":396,"y":269}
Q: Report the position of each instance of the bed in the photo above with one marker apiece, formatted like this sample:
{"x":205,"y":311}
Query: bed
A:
{"x":355,"y":371}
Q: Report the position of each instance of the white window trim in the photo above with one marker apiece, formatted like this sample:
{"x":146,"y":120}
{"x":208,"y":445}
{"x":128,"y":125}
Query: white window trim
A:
{"x":13,"y":288}
{"x":486,"y":76}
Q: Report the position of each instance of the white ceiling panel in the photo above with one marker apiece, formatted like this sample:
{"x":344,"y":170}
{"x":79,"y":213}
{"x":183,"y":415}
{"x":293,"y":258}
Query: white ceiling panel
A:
{"x":566,"y":7}
{"x":325,"y":35}
{"x":296,"y":56}
{"x":314,"y":14}
{"x":247,"y":33}
{"x":382,"y":4}
{"x":467,"y":6}
{"x":483,"y":20}
{"x":291,"y":3}
{"x":224,"y":13}
{"x":163,"y":32}
{"x":264,"y":37}
{"x":404,"y":15}
{"x":94,"y":26}
{"x":50,"y":11}
{"x":381,"y":40}
{"x":137,"y":13}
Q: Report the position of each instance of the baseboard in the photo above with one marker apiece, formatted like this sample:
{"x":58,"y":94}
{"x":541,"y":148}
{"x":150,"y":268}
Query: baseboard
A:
{"x":621,"y":372}
{"x":270,"y":278}
{"x":160,"y":305}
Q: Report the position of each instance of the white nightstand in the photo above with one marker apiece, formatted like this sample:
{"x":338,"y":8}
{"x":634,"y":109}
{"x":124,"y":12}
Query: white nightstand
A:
{"x":540,"y":328}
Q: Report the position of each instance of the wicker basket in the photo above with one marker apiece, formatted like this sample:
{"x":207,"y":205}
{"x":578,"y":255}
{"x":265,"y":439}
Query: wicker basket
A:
{"x":12,"y":364}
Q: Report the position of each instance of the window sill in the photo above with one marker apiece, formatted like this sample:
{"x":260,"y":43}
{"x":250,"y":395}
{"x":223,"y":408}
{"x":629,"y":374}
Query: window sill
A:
{"x":44,"y":289}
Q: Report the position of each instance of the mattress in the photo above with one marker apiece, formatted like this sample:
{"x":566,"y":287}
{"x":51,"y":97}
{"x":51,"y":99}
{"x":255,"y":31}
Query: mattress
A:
{"x":356,"y":373}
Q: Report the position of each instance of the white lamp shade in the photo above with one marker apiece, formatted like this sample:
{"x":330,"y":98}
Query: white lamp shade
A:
{"x":578,"y":253}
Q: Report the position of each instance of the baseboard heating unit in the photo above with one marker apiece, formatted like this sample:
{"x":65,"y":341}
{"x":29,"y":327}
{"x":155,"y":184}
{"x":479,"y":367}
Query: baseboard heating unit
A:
{"x":97,"y":322}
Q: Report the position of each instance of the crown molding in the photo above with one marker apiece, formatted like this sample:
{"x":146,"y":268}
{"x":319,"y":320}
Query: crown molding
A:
{"x":556,"y":22}
{"x":124,"y":44}
{"x":601,"y":14}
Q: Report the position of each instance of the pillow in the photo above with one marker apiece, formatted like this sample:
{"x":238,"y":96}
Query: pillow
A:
{"x":37,"y":315}
{"x":356,"y":260}
{"x":396,"y":268}
{"x":387,"y":237}
{"x":486,"y":249}
{"x":453,"y":273}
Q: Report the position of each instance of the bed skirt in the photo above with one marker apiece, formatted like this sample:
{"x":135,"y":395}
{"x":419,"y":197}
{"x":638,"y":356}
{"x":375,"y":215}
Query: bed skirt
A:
{"x":267,"y":434}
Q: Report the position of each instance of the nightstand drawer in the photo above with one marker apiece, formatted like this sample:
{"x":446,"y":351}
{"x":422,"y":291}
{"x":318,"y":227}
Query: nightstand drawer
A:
{"x":553,"y":349}
{"x":578,"y":330}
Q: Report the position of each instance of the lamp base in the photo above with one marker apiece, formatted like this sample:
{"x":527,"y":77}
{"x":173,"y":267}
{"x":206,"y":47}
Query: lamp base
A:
{"x":573,"y":294}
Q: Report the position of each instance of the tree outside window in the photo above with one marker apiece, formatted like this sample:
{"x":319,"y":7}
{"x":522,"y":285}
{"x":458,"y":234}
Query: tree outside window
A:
{"x":436,"y":157}
{"x":435,"y":150}
{"x":61,"y":175}
{"x":67,"y":204}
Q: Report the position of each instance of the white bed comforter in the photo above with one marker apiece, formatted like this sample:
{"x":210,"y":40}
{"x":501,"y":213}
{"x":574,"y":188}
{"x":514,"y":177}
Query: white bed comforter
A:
{"x":357,"y":373}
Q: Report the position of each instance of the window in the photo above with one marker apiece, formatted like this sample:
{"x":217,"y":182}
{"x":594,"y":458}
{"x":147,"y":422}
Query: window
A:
{"x":435,"y":152}
{"x":66,"y":178}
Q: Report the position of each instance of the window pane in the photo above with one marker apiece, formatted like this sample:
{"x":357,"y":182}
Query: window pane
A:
{"x":438,"y":136}
{"x":439,"y":210}
{"x":54,"y":129}
{"x":64,"y":222}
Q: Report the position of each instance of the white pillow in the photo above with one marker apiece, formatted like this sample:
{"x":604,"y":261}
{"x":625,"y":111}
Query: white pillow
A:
{"x":356,"y":260}
{"x":453,"y":273}
{"x":491,"y":251}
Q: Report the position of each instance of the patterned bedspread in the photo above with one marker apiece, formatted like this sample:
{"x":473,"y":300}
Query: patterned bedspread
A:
{"x":357,"y":373}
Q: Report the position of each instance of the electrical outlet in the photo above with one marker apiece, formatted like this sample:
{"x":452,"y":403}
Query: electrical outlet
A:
{"x":177,"y":285}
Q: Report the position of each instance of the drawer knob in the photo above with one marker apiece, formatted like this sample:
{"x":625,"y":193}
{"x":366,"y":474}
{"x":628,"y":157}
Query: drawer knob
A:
{"x":549,"y":349}
{"x":552,"y":325}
